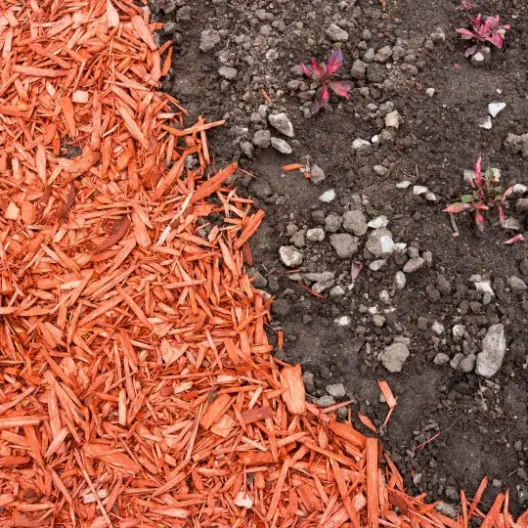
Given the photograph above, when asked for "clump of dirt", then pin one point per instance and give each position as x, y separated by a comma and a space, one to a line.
440, 317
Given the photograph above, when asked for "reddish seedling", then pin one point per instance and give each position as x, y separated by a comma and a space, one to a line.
322, 74
486, 194
482, 31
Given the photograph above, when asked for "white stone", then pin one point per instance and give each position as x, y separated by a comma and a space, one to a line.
328, 196
403, 184
376, 265
379, 222
359, 144
290, 256
495, 109
419, 189
343, 320
393, 119
485, 123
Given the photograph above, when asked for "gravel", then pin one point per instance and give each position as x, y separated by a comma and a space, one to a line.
337, 390
336, 34
282, 146
413, 265
380, 243
209, 39
394, 357
317, 174
332, 223
345, 245
262, 139
228, 72
355, 222
489, 361
516, 284
317, 234
359, 70
282, 123
290, 256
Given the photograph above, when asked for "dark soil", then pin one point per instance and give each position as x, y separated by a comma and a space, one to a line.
476, 426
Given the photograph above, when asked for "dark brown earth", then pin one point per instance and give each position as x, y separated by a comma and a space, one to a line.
476, 426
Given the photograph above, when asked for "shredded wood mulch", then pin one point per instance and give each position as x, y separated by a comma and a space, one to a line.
137, 386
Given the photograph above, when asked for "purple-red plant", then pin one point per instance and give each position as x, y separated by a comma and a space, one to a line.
322, 74
486, 194
466, 5
484, 30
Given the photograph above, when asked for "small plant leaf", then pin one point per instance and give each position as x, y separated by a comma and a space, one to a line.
457, 207
479, 218
318, 70
325, 96
466, 33
467, 198
306, 71
334, 62
514, 240
340, 88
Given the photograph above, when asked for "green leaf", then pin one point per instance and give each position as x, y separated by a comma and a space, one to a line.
467, 198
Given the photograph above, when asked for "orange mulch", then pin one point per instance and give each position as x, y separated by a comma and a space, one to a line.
137, 386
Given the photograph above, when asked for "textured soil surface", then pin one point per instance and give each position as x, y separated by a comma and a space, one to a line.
433, 294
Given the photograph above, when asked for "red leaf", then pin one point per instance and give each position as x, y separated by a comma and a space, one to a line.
478, 171
496, 39
514, 240
479, 219
317, 69
334, 62
340, 88
501, 214
325, 96
456, 208
466, 33
356, 269
306, 71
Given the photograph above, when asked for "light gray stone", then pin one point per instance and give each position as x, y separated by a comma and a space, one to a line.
336, 34
337, 390
380, 243
209, 39
290, 256
413, 264
355, 222
262, 139
345, 245
489, 361
394, 357
282, 146
282, 123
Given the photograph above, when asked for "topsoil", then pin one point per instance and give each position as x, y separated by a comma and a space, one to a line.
450, 428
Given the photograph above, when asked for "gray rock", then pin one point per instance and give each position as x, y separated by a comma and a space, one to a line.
376, 73
369, 55
515, 144
380, 243
360, 144
383, 54
262, 139
517, 285
316, 234
413, 265
378, 320
317, 175
227, 72
336, 34
209, 39
446, 509
332, 223
379, 222
459, 331
247, 148
438, 36
290, 256
282, 123
321, 286
325, 401
380, 170
298, 239
281, 145
345, 245
359, 70
455, 362
400, 280
328, 196
184, 13
467, 365
437, 328
316, 277
489, 361
355, 222
441, 359
308, 379
337, 291
394, 357
337, 390
376, 265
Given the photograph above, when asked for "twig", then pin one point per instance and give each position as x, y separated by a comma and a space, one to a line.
453, 225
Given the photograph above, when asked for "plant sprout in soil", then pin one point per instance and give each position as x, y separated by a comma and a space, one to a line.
483, 30
486, 194
322, 75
